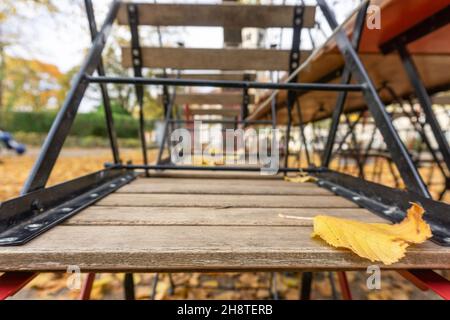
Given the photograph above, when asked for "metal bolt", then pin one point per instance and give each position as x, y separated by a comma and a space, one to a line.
36, 205
136, 52
299, 10
356, 198
8, 239
136, 62
447, 240
294, 55
334, 188
33, 226
94, 195
294, 65
66, 209
112, 185
298, 21
389, 211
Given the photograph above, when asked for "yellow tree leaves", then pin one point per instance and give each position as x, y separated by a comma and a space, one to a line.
302, 177
374, 241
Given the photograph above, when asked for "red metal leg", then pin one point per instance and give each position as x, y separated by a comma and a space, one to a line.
343, 283
87, 287
12, 282
429, 279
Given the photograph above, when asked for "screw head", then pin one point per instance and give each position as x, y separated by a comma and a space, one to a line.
8, 239
33, 226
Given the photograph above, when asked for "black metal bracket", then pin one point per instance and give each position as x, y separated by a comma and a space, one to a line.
294, 62
388, 203
245, 99
25, 217
136, 58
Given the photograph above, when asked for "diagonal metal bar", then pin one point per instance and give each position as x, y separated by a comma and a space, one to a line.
397, 149
103, 88
61, 126
342, 97
12, 282
425, 103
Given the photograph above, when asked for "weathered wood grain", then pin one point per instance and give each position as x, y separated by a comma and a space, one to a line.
212, 59
210, 186
217, 15
99, 215
155, 248
224, 201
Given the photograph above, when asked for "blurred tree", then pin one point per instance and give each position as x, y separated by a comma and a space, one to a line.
9, 9
32, 84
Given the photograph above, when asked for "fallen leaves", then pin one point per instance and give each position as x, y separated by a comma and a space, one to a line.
374, 241
302, 178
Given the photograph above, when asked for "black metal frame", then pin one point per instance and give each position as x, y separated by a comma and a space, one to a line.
40, 208
294, 62
25, 217
136, 57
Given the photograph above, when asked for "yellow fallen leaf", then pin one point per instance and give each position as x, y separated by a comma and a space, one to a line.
300, 179
374, 241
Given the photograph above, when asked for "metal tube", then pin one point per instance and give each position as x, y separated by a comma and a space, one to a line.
208, 168
346, 78
133, 18
228, 84
101, 72
425, 103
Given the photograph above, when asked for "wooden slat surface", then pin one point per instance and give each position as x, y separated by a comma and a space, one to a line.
226, 112
225, 201
212, 59
210, 216
222, 98
210, 186
217, 15
204, 224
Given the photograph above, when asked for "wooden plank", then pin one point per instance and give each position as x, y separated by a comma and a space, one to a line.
185, 186
224, 201
232, 181
227, 112
381, 68
443, 100
213, 59
217, 15
189, 248
216, 175
222, 98
147, 216
227, 76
